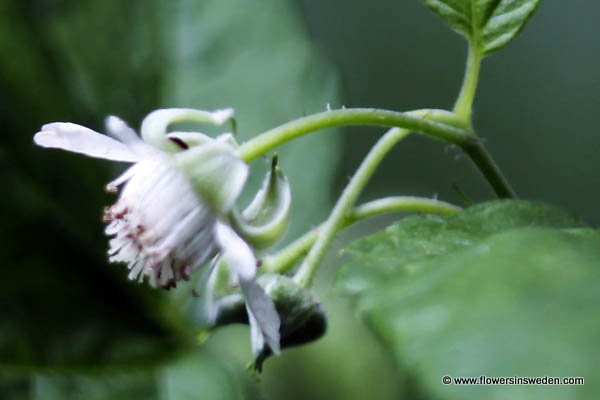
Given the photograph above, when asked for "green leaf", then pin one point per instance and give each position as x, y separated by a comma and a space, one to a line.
489, 24
104, 385
391, 252
492, 298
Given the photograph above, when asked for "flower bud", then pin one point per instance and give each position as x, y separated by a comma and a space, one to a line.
302, 317
265, 220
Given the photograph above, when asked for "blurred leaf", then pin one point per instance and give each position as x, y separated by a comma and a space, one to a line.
197, 374
510, 300
61, 305
102, 385
14, 386
490, 24
203, 376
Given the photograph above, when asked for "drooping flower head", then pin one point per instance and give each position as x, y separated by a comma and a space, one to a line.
175, 202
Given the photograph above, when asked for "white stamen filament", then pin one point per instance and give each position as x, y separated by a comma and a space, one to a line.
160, 226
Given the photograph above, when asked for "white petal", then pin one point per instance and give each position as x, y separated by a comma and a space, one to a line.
119, 129
264, 320
79, 139
236, 252
257, 339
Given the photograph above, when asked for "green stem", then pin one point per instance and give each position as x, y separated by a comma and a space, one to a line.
473, 147
464, 102
400, 203
492, 173
285, 259
450, 128
345, 202
437, 123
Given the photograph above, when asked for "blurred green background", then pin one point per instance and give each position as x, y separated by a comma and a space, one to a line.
72, 327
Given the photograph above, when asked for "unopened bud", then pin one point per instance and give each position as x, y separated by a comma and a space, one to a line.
302, 317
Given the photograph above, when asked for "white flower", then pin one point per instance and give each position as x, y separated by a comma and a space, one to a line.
173, 210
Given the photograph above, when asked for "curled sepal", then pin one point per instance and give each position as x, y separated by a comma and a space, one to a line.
216, 172
266, 218
302, 317
154, 126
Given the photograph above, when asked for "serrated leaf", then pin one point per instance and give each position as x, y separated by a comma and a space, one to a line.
519, 303
508, 301
490, 24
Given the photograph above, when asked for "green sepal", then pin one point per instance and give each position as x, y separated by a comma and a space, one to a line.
216, 172
266, 218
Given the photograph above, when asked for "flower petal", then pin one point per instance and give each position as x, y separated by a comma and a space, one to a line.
119, 129
257, 338
236, 252
79, 139
264, 320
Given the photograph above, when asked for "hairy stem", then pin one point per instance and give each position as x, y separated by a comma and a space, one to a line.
445, 126
349, 196
492, 173
440, 124
285, 259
